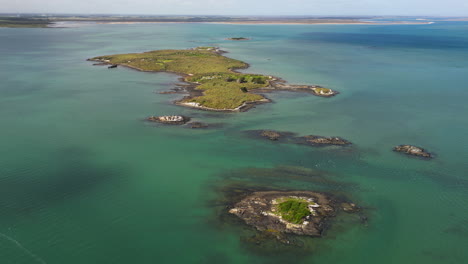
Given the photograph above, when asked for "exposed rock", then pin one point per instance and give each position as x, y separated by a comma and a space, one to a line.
324, 92
112, 66
319, 140
173, 119
413, 150
280, 84
270, 134
238, 39
291, 138
262, 211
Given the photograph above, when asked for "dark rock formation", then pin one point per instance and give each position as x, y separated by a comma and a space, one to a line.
112, 66
321, 141
238, 38
412, 150
270, 134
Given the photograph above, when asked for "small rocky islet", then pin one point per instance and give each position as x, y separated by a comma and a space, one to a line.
169, 119
413, 151
177, 120
290, 137
323, 141
314, 140
238, 38
295, 212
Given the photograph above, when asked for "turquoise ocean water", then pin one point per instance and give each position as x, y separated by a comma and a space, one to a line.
84, 180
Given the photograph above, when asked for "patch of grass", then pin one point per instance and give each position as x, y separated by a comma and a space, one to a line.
322, 90
219, 94
293, 210
222, 87
178, 61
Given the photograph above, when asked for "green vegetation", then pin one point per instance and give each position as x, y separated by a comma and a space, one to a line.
222, 88
321, 90
294, 210
21, 22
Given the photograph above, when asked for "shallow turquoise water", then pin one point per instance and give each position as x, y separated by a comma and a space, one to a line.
84, 180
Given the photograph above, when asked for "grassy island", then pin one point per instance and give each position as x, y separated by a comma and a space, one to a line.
217, 84
296, 212
213, 73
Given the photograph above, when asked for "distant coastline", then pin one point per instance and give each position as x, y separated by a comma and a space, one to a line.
36, 21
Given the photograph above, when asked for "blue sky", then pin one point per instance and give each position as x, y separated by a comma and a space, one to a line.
241, 7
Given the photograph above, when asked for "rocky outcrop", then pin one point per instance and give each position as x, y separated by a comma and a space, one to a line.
270, 134
322, 141
279, 84
172, 119
413, 150
238, 39
288, 137
263, 211
324, 92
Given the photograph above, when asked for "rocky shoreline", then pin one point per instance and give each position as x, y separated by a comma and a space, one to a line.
278, 84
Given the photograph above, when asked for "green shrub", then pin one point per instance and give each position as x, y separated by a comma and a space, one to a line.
293, 210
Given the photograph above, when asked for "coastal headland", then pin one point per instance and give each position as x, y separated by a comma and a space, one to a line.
213, 82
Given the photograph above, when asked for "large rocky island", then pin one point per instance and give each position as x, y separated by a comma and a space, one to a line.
214, 82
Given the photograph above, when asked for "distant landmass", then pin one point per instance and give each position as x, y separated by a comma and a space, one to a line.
34, 20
